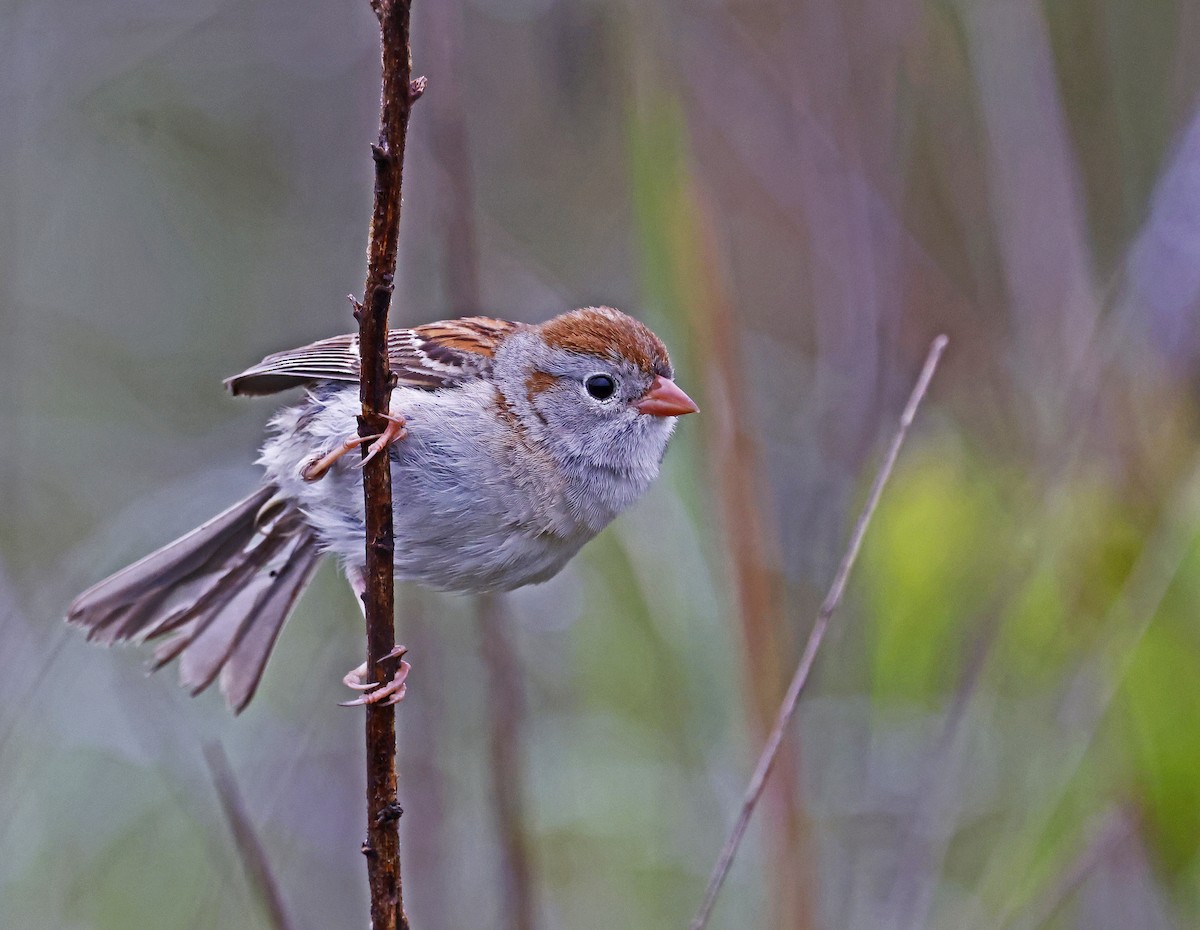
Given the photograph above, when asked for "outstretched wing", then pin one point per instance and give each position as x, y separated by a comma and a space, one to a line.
432, 356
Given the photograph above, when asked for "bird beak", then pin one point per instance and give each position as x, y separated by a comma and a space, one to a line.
664, 399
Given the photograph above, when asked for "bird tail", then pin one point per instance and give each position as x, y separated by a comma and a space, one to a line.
222, 592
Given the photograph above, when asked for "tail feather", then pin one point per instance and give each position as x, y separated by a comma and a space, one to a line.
215, 631
223, 590
244, 665
213, 596
118, 594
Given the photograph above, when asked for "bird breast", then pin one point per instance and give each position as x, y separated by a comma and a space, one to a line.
476, 506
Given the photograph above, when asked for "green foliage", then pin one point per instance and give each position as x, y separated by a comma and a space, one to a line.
1062, 601
928, 570
1162, 698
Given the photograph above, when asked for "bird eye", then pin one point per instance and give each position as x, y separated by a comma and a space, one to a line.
600, 387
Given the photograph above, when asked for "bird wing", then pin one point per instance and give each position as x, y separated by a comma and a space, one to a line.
432, 356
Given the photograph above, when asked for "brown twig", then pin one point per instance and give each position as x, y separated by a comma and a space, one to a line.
249, 846
450, 147
786, 709
382, 847
752, 541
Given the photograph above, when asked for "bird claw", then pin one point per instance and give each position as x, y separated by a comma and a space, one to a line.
393, 432
391, 693
317, 468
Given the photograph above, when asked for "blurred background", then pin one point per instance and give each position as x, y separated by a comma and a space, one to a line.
1003, 729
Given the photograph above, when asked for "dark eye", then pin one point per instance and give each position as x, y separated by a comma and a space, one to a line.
600, 387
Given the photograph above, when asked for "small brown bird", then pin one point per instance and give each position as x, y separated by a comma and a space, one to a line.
511, 445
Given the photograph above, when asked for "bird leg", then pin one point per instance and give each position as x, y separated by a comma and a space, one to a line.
316, 469
391, 693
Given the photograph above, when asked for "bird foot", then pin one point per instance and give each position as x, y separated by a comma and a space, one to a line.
317, 468
393, 432
391, 693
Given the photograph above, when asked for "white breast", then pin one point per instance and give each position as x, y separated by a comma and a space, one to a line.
474, 509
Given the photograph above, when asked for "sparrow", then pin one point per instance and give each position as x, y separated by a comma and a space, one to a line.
511, 445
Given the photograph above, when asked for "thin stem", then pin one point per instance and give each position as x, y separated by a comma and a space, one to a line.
786, 709
506, 703
250, 848
382, 847
450, 146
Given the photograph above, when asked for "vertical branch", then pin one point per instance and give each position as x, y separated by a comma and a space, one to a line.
752, 541
382, 847
450, 147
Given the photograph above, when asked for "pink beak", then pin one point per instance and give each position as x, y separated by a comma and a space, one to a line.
664, 399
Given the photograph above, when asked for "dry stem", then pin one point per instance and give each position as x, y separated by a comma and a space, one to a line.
249, 846
450, 146
765, 761
382, 847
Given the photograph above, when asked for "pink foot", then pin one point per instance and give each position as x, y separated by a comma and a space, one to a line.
391, 693
318, 468
393, 432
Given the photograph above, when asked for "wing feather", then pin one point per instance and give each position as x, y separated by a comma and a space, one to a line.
432, 356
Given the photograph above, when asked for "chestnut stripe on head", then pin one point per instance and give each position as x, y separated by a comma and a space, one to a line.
610, 334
